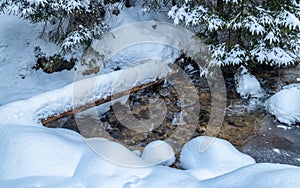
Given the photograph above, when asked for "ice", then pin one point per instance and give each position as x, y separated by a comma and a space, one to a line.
178, 119
164, 92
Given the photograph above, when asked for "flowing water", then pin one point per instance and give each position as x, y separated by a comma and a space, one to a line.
246, 125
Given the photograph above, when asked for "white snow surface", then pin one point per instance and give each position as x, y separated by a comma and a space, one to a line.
34, 156
247, 84
213, 156
284, 104
82, 92
159, 152
129, 46
18, 38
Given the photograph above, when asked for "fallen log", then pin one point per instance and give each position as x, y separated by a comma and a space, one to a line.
99, 102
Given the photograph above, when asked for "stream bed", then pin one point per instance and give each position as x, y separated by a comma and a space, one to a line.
246, 124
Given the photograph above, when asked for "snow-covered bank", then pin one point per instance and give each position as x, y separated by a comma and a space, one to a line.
18, 39
30, 111
41, 157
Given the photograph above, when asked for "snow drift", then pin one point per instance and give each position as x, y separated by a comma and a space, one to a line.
34, 156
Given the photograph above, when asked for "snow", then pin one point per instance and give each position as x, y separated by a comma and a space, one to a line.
159, 152
213, 156
214, 23
258, 175
284, 104
136, 37
272, 37
34, 156
253, 25
131, 15
82, 92
32, 151
247, 84
288, 20
17, 42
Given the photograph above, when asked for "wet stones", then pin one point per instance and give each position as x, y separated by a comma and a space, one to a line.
53, 64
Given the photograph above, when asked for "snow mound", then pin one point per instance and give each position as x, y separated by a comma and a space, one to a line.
159, 152
212, 156
247, 84
34, 156
284, 105
116, 153
37, 151
155, 153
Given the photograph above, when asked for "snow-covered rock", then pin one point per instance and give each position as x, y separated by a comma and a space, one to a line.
116, 153
284, 105
155, 153
159, 152
212, 156
247, 84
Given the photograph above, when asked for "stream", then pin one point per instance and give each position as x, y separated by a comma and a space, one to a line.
246, 125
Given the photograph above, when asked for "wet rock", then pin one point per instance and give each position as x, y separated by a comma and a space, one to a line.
67, 122
290, 75
272, 148
53, 64
274, 143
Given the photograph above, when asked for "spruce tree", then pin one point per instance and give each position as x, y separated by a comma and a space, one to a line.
245, 31
72, 22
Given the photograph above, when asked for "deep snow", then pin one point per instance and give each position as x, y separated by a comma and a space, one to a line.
34, 156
